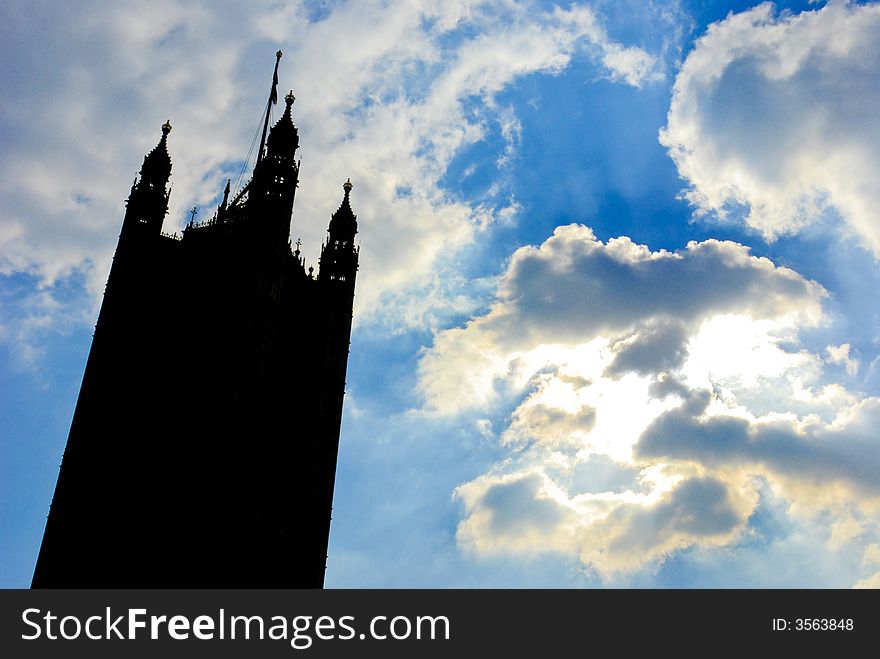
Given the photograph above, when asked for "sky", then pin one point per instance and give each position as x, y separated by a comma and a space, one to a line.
616, 322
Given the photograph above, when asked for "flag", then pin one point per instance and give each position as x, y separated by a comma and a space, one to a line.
273, 99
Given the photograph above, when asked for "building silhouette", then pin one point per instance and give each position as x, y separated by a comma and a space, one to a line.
203, 446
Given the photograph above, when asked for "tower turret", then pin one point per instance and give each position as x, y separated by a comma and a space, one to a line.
276, 175
147, 204
339, 256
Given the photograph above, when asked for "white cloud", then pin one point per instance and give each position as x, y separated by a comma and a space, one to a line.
872, 582
872, 555
554, 413
844, 532
381, 90
777, 114
840, 355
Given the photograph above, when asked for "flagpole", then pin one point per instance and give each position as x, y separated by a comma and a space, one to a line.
273, 98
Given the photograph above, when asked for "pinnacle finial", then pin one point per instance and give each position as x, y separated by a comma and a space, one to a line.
290, 98
278, 54
166, 127
347, 186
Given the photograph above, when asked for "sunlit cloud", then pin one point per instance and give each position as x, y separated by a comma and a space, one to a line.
574, 289
691, 380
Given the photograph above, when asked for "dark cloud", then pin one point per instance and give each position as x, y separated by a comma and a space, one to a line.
520, 506
650, 350
698, 507
667, 385
817, 454
574, 287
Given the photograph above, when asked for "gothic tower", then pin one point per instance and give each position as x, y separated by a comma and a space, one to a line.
203, 446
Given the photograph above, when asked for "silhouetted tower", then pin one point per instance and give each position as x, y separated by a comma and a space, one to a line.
203, 447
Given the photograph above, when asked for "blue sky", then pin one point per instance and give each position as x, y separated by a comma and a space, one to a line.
616, 320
